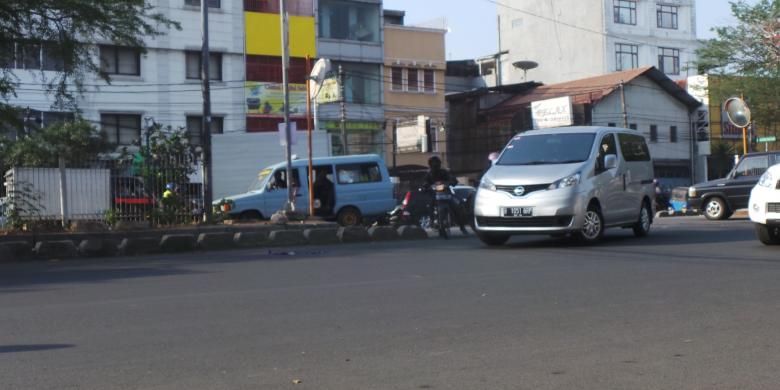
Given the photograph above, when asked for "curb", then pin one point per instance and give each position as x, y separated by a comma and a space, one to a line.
322, 236
139, 244
351, 235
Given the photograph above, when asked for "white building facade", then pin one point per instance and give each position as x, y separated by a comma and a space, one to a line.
574, 39
162, 84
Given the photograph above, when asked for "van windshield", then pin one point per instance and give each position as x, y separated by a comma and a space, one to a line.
259, 183
547, 149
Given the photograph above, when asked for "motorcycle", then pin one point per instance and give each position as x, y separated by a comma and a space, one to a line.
440, 210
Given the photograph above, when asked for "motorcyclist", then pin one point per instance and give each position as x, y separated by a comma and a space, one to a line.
437, 174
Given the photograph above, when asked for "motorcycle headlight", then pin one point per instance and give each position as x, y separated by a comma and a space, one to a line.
487, 184
568, 181
766, 180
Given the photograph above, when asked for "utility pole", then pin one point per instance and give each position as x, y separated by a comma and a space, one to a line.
205, 128
289, 207
343, 101
623, 104
395, 141
499, 74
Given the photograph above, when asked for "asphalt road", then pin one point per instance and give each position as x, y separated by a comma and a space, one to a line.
694, 306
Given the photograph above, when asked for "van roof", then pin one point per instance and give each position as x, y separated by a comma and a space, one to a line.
577, 129
331, 160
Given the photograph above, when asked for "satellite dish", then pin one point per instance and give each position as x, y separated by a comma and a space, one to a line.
737, 112
525, 66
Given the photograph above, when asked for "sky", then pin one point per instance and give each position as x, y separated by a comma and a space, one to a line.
473, 30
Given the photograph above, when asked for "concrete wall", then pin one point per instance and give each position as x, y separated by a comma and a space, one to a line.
563, 52
238, 158
582, 42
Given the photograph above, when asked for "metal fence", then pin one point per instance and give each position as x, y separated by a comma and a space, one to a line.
166, 191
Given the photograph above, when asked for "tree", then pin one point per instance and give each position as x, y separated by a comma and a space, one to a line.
745, 60
751, 47
70, 31
75, 141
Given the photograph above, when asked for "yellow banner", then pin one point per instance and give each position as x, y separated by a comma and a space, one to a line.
267, 99
264, 35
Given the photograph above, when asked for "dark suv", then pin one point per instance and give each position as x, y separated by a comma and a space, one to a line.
718, 199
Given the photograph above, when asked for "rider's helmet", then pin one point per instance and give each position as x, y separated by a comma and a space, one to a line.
434, 163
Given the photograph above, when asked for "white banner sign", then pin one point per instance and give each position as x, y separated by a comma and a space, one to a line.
293, 133
552, 113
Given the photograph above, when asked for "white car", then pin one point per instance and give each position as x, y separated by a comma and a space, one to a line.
764, 206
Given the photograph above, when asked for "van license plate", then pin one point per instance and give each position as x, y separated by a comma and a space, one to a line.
516, 212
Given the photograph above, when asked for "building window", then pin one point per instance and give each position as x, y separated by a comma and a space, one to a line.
667, 16
429, 81
195, 124
194, 65
669, 60
653, 133
196, 3
625, 11
32, 57
626, 56
610, 124
397, 77
362, 82
673, 134
412, 80
121, 129
52, 58
120, 60
632, 126
348, 20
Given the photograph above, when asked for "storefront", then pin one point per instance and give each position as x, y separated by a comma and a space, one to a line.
363, 137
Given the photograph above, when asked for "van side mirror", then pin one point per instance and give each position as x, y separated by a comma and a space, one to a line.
610, 161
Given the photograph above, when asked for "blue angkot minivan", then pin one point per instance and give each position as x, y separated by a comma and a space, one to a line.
361, 188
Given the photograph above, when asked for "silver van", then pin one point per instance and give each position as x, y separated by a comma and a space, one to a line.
571, 180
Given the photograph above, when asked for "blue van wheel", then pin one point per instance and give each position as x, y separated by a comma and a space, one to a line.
349, 216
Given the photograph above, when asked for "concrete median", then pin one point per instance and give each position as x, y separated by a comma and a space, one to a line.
64, 249
176, 243
325, 236
286, 238
412, 232
139, 246
216, 241
250, 239
353, 235
383, 233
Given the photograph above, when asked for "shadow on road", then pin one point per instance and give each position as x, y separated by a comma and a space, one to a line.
32, 347
22, 277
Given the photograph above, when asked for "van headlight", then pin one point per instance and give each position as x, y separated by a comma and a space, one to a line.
568, 181
766, 180
486, 184
691, 192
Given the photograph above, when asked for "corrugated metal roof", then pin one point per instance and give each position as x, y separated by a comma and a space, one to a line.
593, 89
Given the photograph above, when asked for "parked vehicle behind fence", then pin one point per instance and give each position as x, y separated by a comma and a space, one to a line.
360, 185
573, 180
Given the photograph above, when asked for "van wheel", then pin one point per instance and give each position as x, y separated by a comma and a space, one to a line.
593, 227
493, 239
768, 235
349, 216
250, 215
715, 209
642, 226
